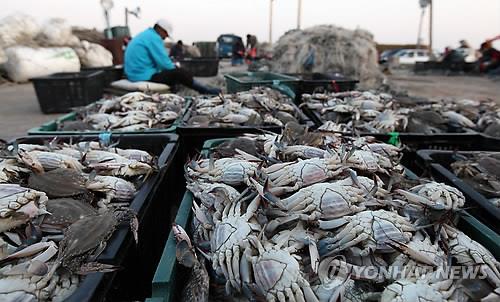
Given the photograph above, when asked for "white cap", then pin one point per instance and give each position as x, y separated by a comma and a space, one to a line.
167, 26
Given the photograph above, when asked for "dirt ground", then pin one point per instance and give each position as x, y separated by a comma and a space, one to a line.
20, 110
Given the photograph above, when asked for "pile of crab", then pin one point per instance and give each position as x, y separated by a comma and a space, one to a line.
320, 217
134, 111
59, 205
260, 106
480, 171
382, 113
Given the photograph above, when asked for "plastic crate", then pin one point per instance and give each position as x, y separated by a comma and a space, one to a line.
438, 164
120, 32
201, 67
111, 73
150, 208
321, 82
50, 128
192, 138
169, 276
59, 92
243, 81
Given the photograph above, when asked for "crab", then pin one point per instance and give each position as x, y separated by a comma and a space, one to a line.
128, 168
277, 273
437, 196
324, 201
419, 251
207, 192
24, 280
19, 205
303, 172
310, 171
166, 116
51, 183
404, 290
480, 173
42, 160
134, 154
231, 236
101, 120
133, 117
303, 152
468, 252
389, 121
374, 230
226, 170
9, 170
115, 189
86, 238
197, 287
64, 212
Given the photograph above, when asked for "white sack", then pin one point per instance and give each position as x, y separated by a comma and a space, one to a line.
56, 32
17, 29
25, 62
94, 55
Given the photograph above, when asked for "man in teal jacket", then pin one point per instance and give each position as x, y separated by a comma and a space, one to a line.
146, 59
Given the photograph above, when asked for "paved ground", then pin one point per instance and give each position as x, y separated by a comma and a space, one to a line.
20, 111
430, 86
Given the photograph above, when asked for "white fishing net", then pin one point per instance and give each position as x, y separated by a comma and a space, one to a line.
350, 52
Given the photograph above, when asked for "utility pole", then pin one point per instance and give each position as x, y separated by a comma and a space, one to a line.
299, 14
430, 25
271, 21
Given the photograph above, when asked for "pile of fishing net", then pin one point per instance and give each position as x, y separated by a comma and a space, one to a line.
333, 49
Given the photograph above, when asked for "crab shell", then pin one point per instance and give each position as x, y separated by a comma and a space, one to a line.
18, 205
278, 275
64, 212
409, 291
84, 237
60, 182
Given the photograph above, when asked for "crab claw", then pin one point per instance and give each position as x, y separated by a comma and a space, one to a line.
30, 161
134, 226
184, 251
264, 191
94, 267
180, 234
413, 254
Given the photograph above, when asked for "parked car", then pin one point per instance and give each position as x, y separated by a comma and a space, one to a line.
412, 56
226, 42
386, 55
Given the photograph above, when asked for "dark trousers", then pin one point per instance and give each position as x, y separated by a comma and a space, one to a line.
173, 77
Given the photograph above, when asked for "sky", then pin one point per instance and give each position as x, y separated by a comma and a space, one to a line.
391, 21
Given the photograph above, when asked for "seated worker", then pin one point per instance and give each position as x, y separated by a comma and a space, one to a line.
146, 59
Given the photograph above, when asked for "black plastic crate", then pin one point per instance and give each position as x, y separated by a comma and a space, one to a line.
192, 137
438, 165
111, 73
59, 92
201, 67
139, 261
323, 82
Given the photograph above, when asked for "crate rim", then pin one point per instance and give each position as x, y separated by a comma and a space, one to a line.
286, 79
83, 74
